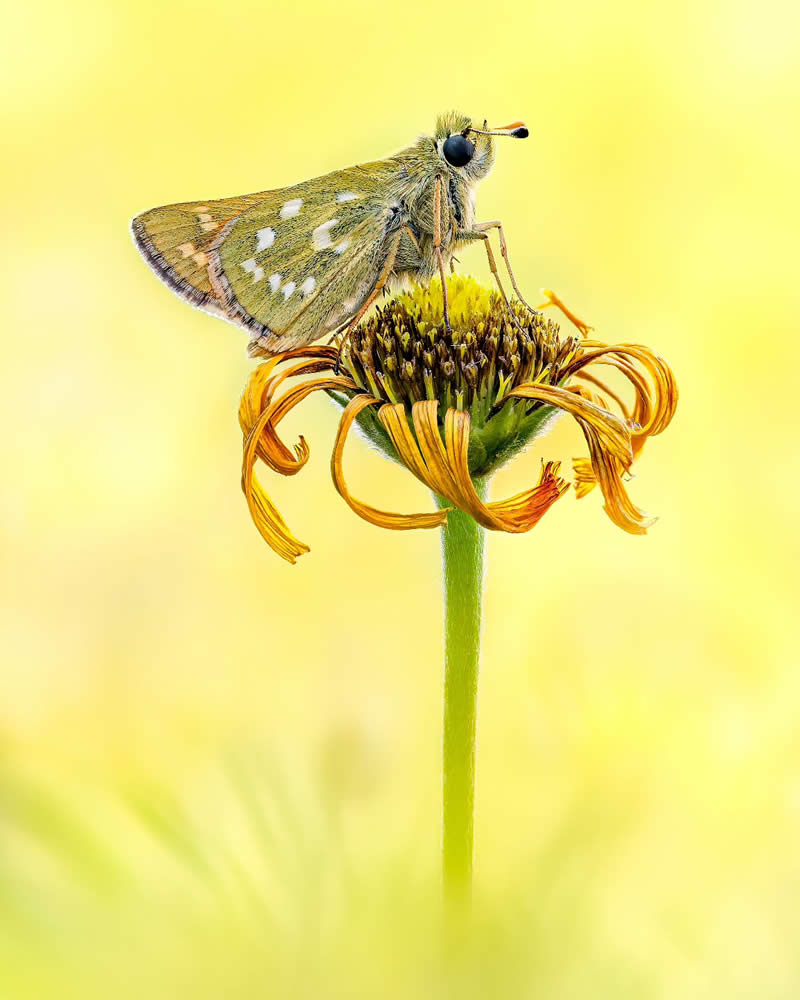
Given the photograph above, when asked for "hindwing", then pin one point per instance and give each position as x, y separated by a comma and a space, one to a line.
288, 265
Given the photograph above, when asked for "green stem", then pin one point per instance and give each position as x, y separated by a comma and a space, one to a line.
462, 570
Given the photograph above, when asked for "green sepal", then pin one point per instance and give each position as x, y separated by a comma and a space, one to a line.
491, 445
371, 428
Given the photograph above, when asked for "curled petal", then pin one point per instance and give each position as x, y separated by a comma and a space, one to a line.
655, 400
443, 467
586, 393
585, 479
261, 441
610, 451
256, 402
393, 418
619, 506
270, 447
382, 518
267, 519
516, 514
260, 387
605, 390
653, 382
254, 395
610, 430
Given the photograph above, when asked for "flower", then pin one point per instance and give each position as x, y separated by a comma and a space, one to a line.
452, 406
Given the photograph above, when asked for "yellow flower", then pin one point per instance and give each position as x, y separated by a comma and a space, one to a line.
453, 407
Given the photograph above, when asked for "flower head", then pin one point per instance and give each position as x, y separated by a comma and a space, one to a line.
452, 406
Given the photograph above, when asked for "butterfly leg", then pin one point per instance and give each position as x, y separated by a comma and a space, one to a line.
437, 247
484, 237
553, 299
493, 268
383, 277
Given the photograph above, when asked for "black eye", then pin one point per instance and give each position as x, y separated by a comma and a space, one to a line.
458, 150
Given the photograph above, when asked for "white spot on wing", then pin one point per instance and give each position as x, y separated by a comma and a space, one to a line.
275, 282
266, 237
321, 236
252, 267
291, 208
346, 196
186, 249
204, 217
308, 286
341, 247
288, 289
209, 227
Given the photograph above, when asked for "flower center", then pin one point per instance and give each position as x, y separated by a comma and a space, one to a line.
403, 352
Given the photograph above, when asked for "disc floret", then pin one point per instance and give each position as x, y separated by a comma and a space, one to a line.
405, 354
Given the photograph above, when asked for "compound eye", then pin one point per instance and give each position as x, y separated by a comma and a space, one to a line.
458, 150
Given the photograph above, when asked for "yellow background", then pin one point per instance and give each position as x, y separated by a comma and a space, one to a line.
219, 775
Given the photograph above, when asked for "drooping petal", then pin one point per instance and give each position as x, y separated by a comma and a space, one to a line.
619, 506
611, 431
585, 479
393, 418
272, 450
267, 519
260, 386
655, 388
443, 467
609, 441
260, 441
515, 514
605, 390
256, 400
655, 395
382, 518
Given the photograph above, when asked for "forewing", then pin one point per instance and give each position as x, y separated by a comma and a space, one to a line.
303, 260
175, 241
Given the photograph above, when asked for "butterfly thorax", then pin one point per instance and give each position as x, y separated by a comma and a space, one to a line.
418, 172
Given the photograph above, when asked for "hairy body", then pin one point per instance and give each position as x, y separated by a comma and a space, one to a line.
292, 264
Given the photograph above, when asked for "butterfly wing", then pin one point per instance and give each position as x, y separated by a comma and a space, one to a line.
303, 260
175, 240
289, 265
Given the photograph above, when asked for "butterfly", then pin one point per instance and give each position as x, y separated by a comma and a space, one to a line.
292, 264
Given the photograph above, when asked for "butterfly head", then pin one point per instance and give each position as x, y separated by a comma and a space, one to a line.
467, 146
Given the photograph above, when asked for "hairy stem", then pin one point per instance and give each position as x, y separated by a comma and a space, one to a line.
462, 571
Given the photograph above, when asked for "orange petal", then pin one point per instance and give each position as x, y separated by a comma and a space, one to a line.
253, 397
611, 431
382, 518
585, 479
655, 388
619, 506
516, 514
271, 449
257, 399
437, 456
443, 466
267, 519
610, 451
606, 390
261, 441
260, 387
393, 418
